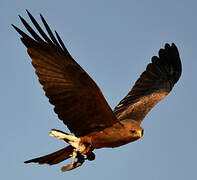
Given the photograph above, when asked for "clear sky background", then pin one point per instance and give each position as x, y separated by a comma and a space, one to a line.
113, 41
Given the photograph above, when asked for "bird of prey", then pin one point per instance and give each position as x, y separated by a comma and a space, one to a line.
80, 104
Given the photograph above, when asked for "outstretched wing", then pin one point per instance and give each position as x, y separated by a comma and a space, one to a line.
78, 101
152, 86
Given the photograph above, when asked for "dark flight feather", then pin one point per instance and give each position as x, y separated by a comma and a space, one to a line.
42, 33
50, 32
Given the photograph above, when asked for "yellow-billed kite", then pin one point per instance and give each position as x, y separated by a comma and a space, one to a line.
80, 104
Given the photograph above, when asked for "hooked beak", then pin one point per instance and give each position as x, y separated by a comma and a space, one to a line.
142, 132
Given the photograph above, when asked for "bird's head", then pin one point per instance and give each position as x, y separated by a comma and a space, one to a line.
133, 129
137, 132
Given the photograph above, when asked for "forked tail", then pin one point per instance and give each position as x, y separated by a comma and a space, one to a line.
55, 157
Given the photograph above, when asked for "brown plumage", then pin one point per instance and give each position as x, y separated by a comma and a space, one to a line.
80, 104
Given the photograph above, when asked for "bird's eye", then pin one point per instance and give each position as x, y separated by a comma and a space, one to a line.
133, 131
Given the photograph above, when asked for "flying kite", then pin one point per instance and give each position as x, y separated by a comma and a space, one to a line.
80, 104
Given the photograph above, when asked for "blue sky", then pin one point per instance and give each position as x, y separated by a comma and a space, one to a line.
113, 41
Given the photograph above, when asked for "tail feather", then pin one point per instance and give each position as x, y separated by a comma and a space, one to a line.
55, 157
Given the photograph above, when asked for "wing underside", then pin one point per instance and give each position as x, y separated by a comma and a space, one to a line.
152, 86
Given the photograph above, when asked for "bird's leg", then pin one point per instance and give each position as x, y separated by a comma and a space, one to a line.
74, 156
73, 165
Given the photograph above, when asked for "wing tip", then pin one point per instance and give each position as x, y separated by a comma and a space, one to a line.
169, 57
52, 41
